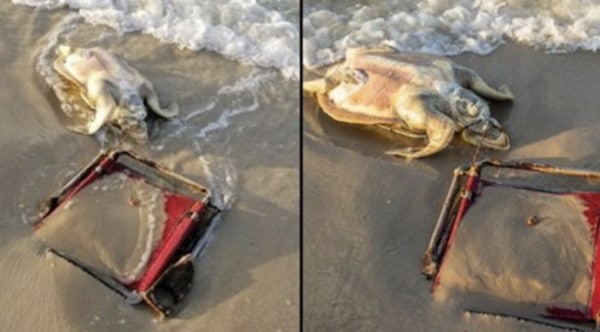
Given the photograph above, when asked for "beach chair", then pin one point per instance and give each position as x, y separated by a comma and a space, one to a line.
520, 240
132, 225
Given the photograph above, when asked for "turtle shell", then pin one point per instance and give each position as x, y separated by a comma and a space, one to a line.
389, 78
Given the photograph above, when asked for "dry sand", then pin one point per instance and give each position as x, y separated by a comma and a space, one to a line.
368, 217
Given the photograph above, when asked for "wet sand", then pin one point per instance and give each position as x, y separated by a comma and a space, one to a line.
368, 217
247, 279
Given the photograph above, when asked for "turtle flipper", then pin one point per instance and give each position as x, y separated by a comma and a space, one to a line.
401, 129
440, 131
100, 91
316, 86
151, 100
474, 82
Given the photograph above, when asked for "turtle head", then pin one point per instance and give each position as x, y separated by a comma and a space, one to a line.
467, 107
132, 106
139, 132
136, 130
488, 133
473, 114
132, 124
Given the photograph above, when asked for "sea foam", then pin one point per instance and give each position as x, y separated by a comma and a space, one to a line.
449, 27
245, 31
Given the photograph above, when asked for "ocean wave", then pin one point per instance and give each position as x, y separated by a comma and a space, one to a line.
245, 31
450, 27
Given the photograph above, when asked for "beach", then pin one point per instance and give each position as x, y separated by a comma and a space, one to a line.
237, 133
368, 217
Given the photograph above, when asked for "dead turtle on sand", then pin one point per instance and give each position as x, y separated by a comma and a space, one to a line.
117, 93
416, 95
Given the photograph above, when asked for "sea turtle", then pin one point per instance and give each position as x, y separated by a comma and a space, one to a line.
116, 92
416, 95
